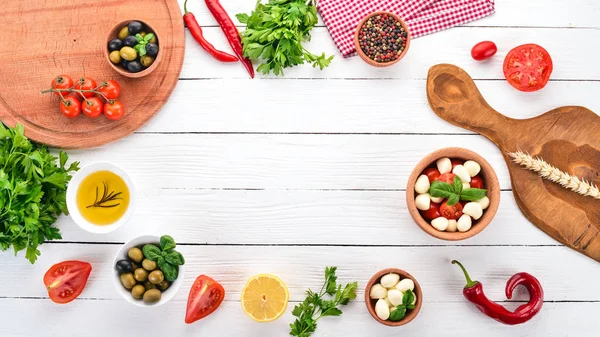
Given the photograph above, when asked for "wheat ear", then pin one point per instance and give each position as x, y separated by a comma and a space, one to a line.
553, 174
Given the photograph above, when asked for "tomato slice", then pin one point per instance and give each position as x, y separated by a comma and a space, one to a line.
432, 213
528, 67
206, 295
446, 177
66, 280
451, 212
431, 173
476, 182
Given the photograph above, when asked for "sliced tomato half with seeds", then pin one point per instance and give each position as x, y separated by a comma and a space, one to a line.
66, 280
528, 67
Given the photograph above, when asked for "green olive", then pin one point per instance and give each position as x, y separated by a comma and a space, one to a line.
135, 254
146, 60
129, 54
127, 280
140, 274
152, 296
164, 285
123, 33
149, 265
156, 277
138, 291
149, 285
115, 57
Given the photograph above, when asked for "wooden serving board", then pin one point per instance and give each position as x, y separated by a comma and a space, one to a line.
566, 137
42, 39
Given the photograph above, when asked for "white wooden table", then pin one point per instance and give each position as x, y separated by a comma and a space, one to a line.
289, 175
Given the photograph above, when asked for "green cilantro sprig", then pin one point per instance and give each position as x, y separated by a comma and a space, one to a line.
454, 193
407, 304
142, 41
315, 306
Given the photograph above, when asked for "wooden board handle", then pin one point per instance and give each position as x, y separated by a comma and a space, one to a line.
454, 97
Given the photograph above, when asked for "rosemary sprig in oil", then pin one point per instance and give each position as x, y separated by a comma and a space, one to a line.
106, 197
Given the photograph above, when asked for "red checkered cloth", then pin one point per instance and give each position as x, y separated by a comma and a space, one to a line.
422, 16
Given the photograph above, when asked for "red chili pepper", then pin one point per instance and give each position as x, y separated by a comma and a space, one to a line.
194, 27
473, 292
231, 32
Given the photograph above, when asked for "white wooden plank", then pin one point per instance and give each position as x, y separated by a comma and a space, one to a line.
297, 217
118, 318
533, 13
451, 46
342, 106
302, 267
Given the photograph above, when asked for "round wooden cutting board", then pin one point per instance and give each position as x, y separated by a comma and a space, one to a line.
43, 39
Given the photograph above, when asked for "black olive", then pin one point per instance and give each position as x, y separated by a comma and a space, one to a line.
152, 49
130, 41
123, 266
115, 44
124, 63
134, 66
134, 27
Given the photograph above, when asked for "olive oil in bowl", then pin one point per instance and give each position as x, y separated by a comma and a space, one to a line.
102, 198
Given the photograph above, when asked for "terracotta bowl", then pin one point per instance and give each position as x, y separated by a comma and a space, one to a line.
410, 315
364, 56
490, 183
114, 33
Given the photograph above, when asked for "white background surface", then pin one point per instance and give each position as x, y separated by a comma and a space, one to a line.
288, 175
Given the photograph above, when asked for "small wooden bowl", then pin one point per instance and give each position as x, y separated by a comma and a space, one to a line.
114, 33
364, 56
491, 184
410, 315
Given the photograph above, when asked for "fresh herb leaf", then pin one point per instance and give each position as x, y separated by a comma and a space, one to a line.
167, 243
151, 252
440, 189
170, 271
242, 17
454, 193
142, 50
457, 185
408, 297
473, 194
175, 258
139, 38
398, 314
148, 37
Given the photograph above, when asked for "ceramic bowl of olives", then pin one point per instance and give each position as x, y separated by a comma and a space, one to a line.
132, 48
138, 276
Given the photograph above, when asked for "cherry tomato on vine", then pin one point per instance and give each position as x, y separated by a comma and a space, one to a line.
92, 107
86, 83
114, 110
483, 50
431, 173
61, 82
446, 177
476, 182
433, 212
110, 89
528, 67
66, 280
70, 107
451, 212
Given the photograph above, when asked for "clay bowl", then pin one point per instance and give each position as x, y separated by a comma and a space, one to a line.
490, 181
410, 315
114, 33
364, 56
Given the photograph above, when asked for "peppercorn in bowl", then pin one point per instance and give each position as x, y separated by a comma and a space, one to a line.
382, 39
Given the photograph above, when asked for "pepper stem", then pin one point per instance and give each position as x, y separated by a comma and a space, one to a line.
185, 7
470, 282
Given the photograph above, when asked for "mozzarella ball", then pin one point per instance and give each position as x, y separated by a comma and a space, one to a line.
378, 291
444, 165
472, 167
395, 296
451, 226
387, 300
382, 310
473, 209
440, 223
389, 280
462, 173
466, 185
437, 200
484, 202
422, 185
423, 201
464, 223
405, 284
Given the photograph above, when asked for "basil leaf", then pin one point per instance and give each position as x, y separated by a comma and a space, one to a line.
151, 252
398, 314
160, 261
440, 189
175, 258
408, 297
453, 200
167, 242
139, 38
473, 194
457, 185
148, 37
170, 271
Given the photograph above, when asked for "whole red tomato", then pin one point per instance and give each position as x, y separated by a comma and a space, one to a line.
451, 212
433, 212
528, 67
66, 280
447, 178
110, 89
431, 173
114, 110
92, 107
86, 83
62, 82
206, 295
483, 50
70, 107
456, 162
476, 182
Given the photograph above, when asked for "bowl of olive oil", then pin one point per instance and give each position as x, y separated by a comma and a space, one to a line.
100, 197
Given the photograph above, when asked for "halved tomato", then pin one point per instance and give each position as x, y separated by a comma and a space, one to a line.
528, 67
66, 280
206, 295
451, 212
